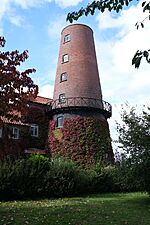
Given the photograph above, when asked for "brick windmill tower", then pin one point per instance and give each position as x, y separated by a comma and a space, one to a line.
78, 127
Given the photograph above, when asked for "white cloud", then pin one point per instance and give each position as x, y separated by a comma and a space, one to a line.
7, 11
35, 3
124, 22
16, 20
55, 27
29, 3
4, 7
121, 82
67, 3
46, 91
7, 6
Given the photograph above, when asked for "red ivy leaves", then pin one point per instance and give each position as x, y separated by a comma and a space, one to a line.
85, 140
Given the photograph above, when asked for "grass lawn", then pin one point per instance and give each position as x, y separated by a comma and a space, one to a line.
104, 209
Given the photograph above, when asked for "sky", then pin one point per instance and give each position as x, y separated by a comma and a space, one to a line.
36, 25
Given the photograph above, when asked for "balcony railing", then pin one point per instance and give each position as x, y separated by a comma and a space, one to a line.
76, 102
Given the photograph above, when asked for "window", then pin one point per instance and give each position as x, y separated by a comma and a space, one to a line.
67, 38
65, 58
62, 98
15, 133
63, 77
34, 130
1, 132
60, 121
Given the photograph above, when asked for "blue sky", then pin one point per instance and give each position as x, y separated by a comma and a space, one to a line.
36, 25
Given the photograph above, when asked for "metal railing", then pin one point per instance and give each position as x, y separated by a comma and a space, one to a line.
80, 102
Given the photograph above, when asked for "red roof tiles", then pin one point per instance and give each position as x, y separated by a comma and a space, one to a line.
38, 99
41, 100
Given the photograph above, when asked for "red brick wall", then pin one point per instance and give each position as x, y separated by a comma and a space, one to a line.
15, 147
82, 70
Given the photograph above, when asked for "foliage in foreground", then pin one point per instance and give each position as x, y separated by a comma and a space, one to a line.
40, 177
134, 137
106, 209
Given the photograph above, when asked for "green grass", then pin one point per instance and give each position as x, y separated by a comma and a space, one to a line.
106, 209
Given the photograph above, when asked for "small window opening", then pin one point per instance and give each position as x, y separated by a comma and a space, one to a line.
62, 98
34, 130
63, 77
60, 121
65, 58
15, 133
67, 38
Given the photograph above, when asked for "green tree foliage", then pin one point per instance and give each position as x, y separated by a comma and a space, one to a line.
134, 137
115, 5
16, 87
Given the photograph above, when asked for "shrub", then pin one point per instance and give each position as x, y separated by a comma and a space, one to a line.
6, 178
39, 176
103, 181
65, 178
23, 177
30, 175
122, 178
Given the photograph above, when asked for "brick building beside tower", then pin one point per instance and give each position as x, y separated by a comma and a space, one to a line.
78, 115
74, 123
28, 134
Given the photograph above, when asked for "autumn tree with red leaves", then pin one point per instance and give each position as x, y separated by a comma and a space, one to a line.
16, 87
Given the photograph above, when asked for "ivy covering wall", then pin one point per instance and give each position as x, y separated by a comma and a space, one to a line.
15, 147
11, 147
85, 140
36, 115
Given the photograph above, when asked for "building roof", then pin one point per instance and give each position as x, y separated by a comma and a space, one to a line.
13, 122
41, 100
38, 99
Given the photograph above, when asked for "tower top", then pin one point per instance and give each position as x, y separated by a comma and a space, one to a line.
77, 24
